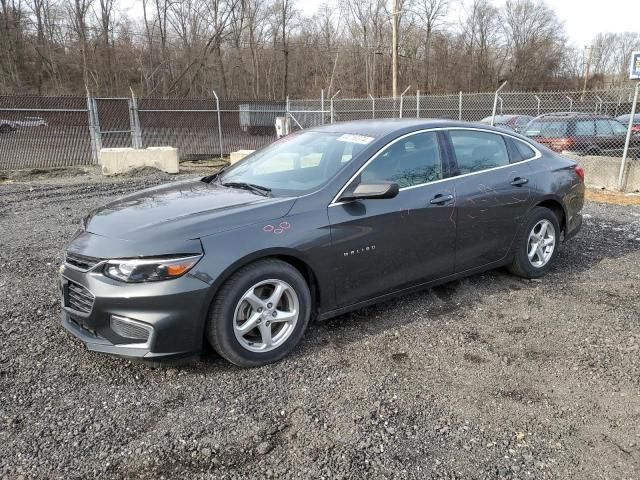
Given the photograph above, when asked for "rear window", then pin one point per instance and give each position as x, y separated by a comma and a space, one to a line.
547, 129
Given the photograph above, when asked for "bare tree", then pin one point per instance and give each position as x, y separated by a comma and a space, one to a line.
431, 14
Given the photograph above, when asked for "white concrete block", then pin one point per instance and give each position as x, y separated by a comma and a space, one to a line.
602, 172
122, 160
239, 155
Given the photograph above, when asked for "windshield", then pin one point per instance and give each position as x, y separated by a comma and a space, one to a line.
298, 163
548, 129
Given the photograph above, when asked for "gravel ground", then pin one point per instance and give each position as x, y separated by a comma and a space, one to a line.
487, 377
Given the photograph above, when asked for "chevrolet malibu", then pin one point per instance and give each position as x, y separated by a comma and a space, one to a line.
317, 224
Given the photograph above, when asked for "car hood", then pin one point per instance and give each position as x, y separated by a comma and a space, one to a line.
182, 211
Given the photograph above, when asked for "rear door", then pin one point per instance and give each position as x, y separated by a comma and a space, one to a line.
492, 196
382, 245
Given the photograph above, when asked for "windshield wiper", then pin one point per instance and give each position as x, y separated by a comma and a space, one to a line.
212, 177
252, 187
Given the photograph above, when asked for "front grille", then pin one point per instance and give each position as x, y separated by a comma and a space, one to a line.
129, 328
79, 298
81, 262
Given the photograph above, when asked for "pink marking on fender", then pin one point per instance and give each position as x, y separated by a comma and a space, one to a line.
267, 228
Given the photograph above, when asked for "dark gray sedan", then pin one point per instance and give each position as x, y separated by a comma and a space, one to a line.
317, 224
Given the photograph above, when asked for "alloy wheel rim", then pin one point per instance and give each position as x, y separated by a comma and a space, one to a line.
266, 315
541, 243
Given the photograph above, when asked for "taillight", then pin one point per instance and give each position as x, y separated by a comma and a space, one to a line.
635, 128
561, 144
579, 172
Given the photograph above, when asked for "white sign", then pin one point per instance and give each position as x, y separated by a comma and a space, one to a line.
361, 139
634, 72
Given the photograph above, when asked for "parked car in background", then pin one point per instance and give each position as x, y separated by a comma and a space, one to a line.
511, 122
581, 133
317, 224
32, 122
624, 119
7, 126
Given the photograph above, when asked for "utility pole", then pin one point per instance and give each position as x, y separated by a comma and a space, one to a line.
394, 47
587, 66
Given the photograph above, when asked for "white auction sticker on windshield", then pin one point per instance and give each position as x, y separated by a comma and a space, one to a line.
361, 139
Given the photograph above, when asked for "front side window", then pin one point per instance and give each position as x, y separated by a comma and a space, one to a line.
618, 128
476, 151
603, 127
413, 160
298, 163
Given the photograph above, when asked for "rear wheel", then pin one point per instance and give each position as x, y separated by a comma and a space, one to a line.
537, 244
260, 314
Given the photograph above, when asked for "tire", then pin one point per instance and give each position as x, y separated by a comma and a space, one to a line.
593, 152
234, 307
525, 242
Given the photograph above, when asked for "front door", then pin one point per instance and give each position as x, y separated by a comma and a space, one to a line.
382, 245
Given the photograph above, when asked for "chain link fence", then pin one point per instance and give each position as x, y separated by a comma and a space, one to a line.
60, 131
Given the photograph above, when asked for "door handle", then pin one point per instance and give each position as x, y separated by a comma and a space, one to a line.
519, 181
441, 199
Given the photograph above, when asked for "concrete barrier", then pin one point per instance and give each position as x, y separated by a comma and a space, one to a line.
239, 155
122, 160
602, 172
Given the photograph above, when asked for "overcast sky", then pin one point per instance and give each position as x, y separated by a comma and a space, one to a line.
583, 19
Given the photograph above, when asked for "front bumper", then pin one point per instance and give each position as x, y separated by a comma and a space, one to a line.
172, 311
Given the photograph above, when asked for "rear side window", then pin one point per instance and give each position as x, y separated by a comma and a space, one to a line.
547, 129
585, 128
603, 127
476, 151
525, 151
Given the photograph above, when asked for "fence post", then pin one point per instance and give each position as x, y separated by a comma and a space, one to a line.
598, 105
402, 99
495, 102
373, 106
628, 139
219, 121
96, 123
460, 105
417, 103
570, 102
322, 106
92, 134
134, 122
538, 100
331, 101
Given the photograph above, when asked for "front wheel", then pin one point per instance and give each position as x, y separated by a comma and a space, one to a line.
537, 244
260, 314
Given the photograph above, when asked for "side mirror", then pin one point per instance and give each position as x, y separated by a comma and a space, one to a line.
372, 190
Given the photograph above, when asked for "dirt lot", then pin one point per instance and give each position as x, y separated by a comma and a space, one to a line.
488, 377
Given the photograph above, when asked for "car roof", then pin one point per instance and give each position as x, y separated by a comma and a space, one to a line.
559, 117
626, 116
382, 127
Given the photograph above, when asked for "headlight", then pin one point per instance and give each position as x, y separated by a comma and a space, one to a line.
137, 270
